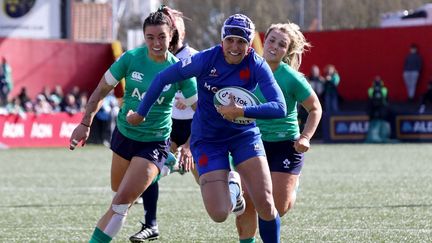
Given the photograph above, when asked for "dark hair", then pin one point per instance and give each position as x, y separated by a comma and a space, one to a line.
164, 15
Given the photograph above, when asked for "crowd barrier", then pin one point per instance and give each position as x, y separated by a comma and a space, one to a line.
54, 130
353, 127
31, 130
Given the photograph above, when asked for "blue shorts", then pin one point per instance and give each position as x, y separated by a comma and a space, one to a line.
156, 152
282, 157
181, 130
211, 156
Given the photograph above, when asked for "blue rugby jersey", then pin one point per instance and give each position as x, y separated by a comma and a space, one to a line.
213, 73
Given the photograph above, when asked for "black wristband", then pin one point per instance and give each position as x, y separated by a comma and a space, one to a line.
85, 125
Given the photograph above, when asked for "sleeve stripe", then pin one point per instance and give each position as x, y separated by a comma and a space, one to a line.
110, 78
191, 100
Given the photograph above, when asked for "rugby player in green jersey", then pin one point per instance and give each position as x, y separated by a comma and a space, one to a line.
139, 152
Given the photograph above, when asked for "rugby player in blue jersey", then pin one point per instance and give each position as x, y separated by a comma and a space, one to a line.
214, 136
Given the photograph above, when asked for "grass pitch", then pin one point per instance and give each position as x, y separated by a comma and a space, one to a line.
348, 193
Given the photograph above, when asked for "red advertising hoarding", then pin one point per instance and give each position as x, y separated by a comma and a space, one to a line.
31, 130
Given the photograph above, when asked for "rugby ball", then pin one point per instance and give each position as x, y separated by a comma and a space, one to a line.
242, 97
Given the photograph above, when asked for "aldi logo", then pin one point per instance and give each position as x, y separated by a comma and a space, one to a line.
349, 127
414, 126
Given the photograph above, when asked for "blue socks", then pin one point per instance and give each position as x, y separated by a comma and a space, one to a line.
270, 230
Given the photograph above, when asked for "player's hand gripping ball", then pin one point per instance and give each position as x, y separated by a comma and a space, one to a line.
242, 97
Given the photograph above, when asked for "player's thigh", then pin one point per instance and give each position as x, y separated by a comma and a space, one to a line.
119, 166
284, 185
255, 175
137, 178
214, 190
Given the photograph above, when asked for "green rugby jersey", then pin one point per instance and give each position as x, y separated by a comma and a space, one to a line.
139, 70
295, 88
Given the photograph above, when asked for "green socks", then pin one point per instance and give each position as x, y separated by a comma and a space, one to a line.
250, 240
99, 237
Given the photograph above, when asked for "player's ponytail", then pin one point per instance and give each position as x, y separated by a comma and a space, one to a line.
172, 14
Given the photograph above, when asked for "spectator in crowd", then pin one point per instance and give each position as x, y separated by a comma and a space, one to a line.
6, 83
316, 81
46, 92
426, 98
378, 99
82, 101
379, 128
57, 93
55, 103
56, 98
25, 100
411, 70
41, 105
16, 108
331, 95
70, 105
76, 91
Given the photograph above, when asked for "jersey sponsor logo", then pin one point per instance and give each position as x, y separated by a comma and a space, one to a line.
186, 61
137, 76
210, 88
286, 163
213, 72
136, 93
166, 87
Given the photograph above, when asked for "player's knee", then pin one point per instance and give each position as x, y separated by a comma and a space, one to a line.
218, 215
266, 209
121, 209
123, 198
117, 219
286, 206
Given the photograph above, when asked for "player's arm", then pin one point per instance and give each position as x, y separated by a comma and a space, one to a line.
95, 101
185, 69
82, 131
313, 107
188, 88
168, 76
275, 106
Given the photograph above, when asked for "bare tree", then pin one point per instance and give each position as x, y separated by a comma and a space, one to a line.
207, 16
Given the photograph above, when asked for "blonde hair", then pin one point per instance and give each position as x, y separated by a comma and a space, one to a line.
297, 46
